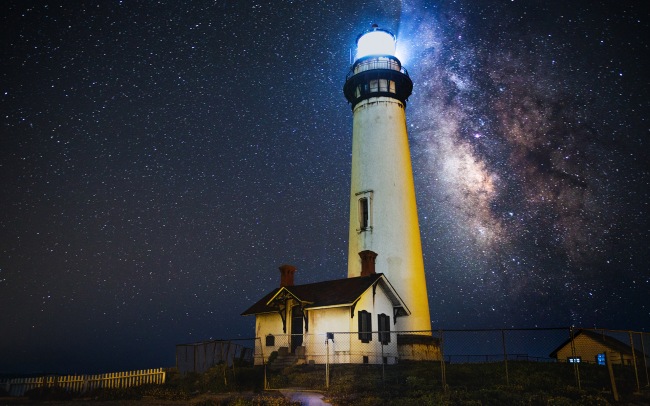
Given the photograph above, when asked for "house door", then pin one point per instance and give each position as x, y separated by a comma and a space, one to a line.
296, 328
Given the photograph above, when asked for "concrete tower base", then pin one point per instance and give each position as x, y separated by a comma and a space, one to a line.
414, 347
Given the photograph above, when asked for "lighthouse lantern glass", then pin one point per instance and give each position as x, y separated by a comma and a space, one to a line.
376, 43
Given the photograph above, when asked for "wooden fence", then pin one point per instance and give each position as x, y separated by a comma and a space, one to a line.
85, 383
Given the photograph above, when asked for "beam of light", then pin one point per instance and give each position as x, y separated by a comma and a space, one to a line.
402, 52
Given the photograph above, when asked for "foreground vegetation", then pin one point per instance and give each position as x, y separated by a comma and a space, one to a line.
418, 383
421, 383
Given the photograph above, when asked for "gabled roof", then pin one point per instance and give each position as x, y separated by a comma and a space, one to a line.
605, 340
334, 293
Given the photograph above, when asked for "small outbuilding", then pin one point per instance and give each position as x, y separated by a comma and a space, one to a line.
594, 347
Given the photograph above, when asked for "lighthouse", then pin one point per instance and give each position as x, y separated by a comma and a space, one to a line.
383, 211
379, 313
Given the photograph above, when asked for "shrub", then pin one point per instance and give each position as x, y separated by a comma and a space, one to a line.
115, 394
48, 393
219, 379
163, 392
272, 357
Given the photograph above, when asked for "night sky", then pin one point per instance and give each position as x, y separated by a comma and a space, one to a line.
159, 161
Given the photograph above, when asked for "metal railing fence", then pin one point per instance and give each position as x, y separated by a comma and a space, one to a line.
547, 358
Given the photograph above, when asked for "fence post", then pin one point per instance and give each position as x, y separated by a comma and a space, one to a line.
576, 369
505, 355
442, 364
610, 369
234, 358
636, 373
266, 382
383, 368
327, 361
645, 359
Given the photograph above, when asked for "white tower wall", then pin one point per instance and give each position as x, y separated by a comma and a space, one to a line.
383, 212
382, 173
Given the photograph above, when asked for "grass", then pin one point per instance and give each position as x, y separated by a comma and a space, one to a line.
420, 383
407, 383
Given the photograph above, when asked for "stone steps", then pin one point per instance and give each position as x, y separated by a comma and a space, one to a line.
286, 359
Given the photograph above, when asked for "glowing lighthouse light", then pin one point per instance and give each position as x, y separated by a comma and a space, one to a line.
375, 42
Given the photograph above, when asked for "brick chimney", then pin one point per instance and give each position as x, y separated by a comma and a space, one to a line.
286, 275
367, 262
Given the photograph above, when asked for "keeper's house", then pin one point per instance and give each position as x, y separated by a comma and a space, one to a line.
337, 321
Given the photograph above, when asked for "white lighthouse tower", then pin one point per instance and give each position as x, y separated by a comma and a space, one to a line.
383, 212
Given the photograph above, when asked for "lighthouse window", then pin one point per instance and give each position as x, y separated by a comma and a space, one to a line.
364, 213
374, 85
365, 326
364, 210
362, 89
383, 85
391, 86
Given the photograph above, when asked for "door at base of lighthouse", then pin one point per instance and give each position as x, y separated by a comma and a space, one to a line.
296, 328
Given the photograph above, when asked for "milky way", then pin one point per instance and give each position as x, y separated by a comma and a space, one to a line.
159, 162
521, 158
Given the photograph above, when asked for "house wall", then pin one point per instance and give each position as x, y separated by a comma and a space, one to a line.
374, 350
265, 324
346, 347
587, 348
323, 321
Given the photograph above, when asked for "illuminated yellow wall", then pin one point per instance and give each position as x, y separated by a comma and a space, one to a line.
381, 171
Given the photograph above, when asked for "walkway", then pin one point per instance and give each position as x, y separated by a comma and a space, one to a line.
305, 398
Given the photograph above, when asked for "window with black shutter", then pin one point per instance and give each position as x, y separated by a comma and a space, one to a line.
384, 328
365, 326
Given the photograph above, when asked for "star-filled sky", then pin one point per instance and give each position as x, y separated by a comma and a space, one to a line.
160, 159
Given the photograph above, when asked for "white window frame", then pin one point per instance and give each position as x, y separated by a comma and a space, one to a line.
364, 198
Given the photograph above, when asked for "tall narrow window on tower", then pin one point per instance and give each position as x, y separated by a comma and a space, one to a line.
364, 213
364, 210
